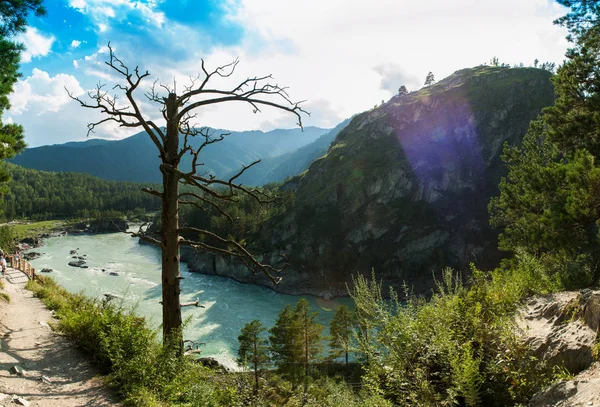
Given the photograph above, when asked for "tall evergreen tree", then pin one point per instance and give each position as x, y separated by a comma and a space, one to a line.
340, 329
430, 79
13, 14
286, 348
310, 335
296, 341
549, 203
253, 350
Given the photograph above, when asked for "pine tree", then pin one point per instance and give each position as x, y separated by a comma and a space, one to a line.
296, 341
549, 204
341, 328
310, 335
13, 14
430, 79
286, 349
253, 350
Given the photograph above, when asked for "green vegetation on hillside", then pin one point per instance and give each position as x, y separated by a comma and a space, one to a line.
41, 195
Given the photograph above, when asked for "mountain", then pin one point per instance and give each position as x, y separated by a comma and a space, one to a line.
135, 158
278, 168
403, 189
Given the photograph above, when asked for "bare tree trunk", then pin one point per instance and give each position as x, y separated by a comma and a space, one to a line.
169, 231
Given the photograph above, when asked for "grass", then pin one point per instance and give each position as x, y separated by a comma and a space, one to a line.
5, 297
33, 229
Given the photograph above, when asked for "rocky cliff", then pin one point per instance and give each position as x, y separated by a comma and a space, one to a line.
404, 187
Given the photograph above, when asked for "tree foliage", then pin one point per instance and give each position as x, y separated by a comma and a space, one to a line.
341, 330
42, 195
13, 14
253, 350
430, 79
549, 204
295, 340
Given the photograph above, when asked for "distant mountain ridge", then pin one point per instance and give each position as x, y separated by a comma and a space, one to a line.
135, 158
281, 167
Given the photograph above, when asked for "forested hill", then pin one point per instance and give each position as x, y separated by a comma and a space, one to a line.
135, 158
404, 187
45, 195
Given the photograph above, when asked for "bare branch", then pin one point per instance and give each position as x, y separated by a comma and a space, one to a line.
141, 234
152, 192
192, 304
238, 251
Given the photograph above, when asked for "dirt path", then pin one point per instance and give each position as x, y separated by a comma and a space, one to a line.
27, 341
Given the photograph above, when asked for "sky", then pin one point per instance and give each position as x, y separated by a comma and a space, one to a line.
339, 56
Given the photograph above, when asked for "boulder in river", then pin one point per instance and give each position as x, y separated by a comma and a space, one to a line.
46, 270
32, 241
77, 263
113, 273
31, 255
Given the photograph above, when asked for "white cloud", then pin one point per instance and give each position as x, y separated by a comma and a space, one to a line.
78, 4
355, 53
41, 104
342, 56
36, 44
41, 93
393, 76
75, 44
102, 11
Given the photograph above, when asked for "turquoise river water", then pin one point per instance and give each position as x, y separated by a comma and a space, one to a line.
229, 304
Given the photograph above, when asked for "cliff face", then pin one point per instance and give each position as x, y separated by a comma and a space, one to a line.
404, 188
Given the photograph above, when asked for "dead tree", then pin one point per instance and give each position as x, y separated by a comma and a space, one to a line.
173, 140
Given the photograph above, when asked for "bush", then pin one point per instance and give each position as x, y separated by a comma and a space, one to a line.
144, 372
459, 347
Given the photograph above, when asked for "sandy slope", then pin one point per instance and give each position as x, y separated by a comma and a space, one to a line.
27, 341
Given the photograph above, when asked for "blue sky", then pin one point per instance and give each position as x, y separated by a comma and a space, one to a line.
341, 56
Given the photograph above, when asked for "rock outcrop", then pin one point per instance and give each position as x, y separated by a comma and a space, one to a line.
562, 329
403, 189
108, 225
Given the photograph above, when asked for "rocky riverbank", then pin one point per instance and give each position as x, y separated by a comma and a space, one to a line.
291, 281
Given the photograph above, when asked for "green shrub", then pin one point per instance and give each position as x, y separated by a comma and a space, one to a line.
459, 347
143, 371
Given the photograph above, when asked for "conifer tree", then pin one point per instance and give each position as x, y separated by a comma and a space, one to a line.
549, 203
13, 14
310, 335
286, 350
430, 79
253, 350
295, 341
341, 328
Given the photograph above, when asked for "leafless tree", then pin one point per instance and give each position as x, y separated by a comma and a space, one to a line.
173, 140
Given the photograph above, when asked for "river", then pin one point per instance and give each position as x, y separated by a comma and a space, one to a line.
229, 305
